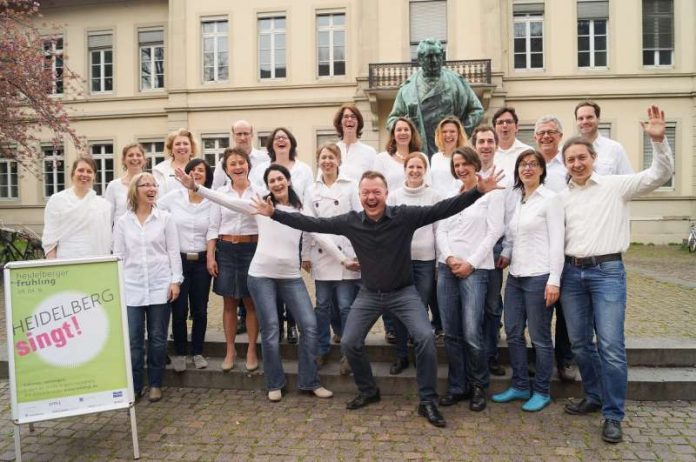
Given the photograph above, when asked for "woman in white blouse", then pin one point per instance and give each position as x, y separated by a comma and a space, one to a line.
191, 213
147, 241
181, 148
133, 162
465, 254
331, 194
414, 191
77, 222
449, 135
232, 240
533, 246
275, 270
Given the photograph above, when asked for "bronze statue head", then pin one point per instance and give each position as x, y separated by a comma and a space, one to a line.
431, 56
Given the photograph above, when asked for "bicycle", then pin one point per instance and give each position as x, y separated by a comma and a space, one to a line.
691, 240
18, 245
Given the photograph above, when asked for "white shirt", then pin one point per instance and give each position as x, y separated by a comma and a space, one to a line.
611, 157
506, 158
277, 255
472, 233
393, 170
191, 219
222, 220
301, 177
150, 253
116, 194
597, 214
77, 227
220, 178
534, 234
328, 201
423, 242
164, 175
356, 159
556, 174
441, 173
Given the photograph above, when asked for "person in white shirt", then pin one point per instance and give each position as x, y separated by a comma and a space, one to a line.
414, 191
77, 222
356, 156
243, 135
232, 242
181, 148
597, 213
190, 213
145, 238
505, 121
331, 194
449, 135
275, 270
465, 257
534, 248
611, 155
133, 162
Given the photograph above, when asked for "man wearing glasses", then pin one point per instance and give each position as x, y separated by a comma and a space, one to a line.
509, 147
243, 134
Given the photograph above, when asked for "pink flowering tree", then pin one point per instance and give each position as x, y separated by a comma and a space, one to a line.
30, 86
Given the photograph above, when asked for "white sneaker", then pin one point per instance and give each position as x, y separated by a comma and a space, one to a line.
275, 395
200, 362
179, 363
322, 392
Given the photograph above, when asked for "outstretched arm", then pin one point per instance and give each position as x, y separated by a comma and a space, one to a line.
225, 200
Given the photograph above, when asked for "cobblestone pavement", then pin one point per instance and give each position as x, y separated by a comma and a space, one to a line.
227, 425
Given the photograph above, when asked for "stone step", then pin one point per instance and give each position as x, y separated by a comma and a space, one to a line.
644, 383
640, 352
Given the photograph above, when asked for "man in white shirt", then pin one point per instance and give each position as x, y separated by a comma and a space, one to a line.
611, 156
548, 133
356, 157
509, 147
243, 135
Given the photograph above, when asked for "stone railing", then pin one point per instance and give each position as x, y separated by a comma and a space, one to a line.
385, 76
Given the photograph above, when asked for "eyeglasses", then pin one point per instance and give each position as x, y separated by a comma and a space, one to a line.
543, 133
147, 185
350, 116
524, 165
505, 122
280, 137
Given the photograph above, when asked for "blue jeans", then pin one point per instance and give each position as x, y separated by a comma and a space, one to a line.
330, 294
406, 305
494, 307
194, 293
594, 300
525, 305
424, 279
157, 319
461, 309
264, 292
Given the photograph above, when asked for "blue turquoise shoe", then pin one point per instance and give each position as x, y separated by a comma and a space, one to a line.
536, 403
511, 394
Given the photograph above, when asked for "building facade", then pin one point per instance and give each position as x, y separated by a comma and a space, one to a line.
152, 66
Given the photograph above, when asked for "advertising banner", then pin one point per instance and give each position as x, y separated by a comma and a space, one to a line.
67, 338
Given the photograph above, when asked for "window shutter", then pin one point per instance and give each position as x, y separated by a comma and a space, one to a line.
536, 8
658, 18
150, 37
593, 9
671, 132
100, 41
428, 19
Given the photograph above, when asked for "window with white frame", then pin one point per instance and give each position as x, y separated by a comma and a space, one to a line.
53, 52
272, 47
103, 156
671, 136
593, 19
528, 24
154, 153
658, 32
151, 47
101, 64
262, 140
213, 148
331, 44
53, 169
427, 19
9, 177
215, 50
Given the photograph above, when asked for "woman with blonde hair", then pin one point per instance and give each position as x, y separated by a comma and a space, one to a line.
77, 222
449, 135
133, 162
181, 148
146, 239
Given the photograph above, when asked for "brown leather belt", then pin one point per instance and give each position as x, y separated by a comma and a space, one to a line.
239, 239
592, 261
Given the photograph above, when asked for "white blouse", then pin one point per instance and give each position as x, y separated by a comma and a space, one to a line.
191, 219
301, 177
77, 227
441, 173
356, 159
472, 233
150, 253
423, 243
534, 234
117, 195
222, 220
164, 175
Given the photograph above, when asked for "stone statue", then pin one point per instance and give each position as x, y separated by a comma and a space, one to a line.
434, 92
